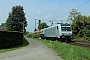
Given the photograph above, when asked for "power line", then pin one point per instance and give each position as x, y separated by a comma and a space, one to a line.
70, 4
75, 7
70, 10
87, 13
83, 4
61, 14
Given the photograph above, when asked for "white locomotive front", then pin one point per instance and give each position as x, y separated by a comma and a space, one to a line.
62, 32
65, 32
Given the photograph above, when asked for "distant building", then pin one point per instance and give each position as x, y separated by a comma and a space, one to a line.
2, 28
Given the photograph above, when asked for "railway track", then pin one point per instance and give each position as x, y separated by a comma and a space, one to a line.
78, 43
83, 44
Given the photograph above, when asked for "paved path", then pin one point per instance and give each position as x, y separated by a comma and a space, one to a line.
35, 51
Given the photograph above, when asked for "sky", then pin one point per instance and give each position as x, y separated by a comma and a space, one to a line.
44, 10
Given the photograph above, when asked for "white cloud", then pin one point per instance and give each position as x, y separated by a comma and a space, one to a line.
57, 1
47, 16
39, 12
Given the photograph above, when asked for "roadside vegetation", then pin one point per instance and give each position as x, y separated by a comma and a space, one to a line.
80, 25
64, 50
25, 43
81, 32
16, 22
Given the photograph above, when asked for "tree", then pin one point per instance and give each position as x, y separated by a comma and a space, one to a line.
3, 24
88, 19
73, 14
88, 22
42, 25
81, 26
16, 20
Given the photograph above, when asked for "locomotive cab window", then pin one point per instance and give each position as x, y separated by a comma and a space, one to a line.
66, 28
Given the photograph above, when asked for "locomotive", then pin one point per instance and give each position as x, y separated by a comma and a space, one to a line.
61, 32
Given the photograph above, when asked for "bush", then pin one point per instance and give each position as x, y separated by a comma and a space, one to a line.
34, 35
10, 39
29, 35
87, 35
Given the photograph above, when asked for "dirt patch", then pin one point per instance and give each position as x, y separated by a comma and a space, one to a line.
83, 44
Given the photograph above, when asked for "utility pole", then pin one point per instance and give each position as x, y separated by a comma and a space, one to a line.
39, 22
35, 24
39, 27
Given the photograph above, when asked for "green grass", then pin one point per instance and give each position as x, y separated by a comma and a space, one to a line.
67, 51
25, 43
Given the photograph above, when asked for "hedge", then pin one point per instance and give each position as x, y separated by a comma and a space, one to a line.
10, 39
34, 35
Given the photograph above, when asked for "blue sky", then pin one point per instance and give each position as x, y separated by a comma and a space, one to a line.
44, 10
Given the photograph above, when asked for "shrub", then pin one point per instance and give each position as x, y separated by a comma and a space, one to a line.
34, 35
29, 35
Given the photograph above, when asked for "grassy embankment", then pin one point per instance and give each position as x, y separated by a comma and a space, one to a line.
25, 43
67, 51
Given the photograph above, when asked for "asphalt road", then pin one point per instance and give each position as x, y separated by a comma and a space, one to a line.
35, 51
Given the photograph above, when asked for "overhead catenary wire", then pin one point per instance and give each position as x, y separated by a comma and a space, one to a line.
69, 10
83, 4
70, 4
86, 13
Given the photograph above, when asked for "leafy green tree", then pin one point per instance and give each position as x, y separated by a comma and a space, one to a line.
16, 20
73, 14
88, 23
3, 24
81, 26
42, 25
88, 19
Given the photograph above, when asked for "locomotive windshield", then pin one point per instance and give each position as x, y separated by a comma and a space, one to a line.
66, 28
